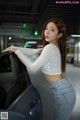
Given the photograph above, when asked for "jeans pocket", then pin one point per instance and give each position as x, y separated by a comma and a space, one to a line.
70, 97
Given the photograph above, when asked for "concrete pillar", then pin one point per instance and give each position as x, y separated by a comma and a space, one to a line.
77, 52
1, 43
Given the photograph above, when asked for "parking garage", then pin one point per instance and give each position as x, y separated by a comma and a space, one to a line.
20, 25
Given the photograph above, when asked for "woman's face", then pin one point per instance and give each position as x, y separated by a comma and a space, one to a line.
51, 33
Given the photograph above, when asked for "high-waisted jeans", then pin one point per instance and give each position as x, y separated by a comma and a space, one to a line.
64, 99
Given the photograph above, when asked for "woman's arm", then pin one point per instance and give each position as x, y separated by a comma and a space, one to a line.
41, 60
29, 51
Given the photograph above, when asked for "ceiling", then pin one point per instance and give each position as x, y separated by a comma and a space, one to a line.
38, 11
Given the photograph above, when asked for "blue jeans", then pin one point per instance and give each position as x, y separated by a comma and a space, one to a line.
64, 96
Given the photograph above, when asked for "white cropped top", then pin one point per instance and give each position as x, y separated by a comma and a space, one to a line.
49, 60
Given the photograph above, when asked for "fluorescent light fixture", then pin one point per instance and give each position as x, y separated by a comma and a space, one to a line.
32, 42
75, 35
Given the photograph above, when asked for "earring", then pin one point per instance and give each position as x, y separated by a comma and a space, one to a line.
58, 41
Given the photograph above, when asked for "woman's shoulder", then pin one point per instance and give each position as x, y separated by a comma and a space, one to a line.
50, 46
56, 47
47, 47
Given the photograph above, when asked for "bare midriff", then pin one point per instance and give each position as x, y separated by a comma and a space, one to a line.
51, 78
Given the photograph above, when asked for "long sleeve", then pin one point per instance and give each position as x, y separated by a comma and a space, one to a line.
29, 51
37, 64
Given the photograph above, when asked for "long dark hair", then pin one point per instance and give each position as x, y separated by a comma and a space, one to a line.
62, 40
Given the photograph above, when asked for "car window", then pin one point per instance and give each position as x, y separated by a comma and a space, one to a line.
5, 64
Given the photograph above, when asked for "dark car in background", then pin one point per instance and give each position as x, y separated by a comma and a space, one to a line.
70, 58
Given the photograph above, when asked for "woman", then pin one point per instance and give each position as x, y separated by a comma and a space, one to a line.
52, 62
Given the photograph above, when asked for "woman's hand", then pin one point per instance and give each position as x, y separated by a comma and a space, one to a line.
11, 49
